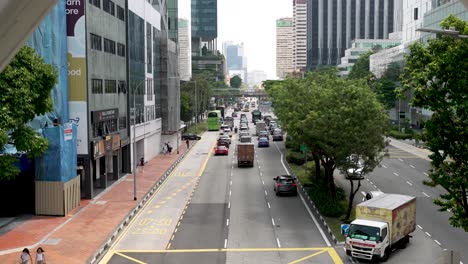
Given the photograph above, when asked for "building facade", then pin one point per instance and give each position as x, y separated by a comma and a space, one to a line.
332, 25
204, 25
124, 87
300, 34
284, 47
236, 62
185, 54
256, 78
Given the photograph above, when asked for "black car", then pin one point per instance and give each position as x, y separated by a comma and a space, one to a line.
285, 184
190, 136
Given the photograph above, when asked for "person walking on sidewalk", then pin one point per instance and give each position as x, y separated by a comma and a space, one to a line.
169, 148
26, 257
188, 143
40, 257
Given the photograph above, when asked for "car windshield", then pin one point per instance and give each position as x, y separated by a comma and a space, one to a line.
286, 181
263, 139
364, 232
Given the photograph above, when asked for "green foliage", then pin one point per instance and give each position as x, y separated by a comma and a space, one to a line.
360, 69
295, 157
236, 82
318, 193
438, 75
385, 90
25, 86
400, 135
198, 128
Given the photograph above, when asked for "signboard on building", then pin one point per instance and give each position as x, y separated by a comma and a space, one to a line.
104, 115
77, 88
67, 131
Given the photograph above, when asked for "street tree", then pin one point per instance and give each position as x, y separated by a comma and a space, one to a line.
236, 82
437, 74
25, 87
361, 68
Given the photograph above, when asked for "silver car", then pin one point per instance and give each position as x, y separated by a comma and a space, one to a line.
285, 184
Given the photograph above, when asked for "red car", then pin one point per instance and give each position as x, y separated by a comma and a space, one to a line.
221, 150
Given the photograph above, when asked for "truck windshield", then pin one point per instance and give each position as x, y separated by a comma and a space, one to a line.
364, 232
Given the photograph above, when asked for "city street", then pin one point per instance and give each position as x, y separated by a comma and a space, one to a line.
403, 172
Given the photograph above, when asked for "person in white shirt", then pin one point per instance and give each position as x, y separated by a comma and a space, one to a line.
25, 257
40, 257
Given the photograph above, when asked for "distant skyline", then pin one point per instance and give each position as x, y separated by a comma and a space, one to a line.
254, 24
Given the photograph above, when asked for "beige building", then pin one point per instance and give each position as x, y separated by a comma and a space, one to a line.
185, 53
284, 47
300, 34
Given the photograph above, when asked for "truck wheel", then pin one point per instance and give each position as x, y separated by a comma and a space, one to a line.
348, 252
386, 254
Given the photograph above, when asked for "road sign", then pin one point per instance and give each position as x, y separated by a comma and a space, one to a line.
344, 229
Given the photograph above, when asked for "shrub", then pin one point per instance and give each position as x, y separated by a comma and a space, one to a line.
295, 157
400, 135
318, 192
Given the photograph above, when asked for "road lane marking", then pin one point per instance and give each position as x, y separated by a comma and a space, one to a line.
266, 193
230, 183
263, 182
305, 204
208, 250
409, 183
449, 210
429, 235
363, 193
396, 174
425, 174
130, 258
384, 166
420, 227
412, 166
269, 205
277, 242
371, 182
425, 194
437, 242
273, 222
225, 243
230, 192
229, 205
400, 159
227, 222
261, 174
307, 257
367, 179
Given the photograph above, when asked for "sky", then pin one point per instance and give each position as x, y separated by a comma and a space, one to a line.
252, 22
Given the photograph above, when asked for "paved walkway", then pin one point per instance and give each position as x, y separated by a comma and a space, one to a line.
76, 237
420, 152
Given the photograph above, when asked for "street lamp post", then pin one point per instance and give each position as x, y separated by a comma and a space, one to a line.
134, 142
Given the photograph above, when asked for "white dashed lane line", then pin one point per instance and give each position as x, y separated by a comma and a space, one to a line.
425, 194
266, 192
412, 166
409, 183
437, 242
227, 222
225, 243
396, 174
425, 174
420, 227
400, 160
269, 205
273, 222
384, 166
229, 205
429, 235
277, 241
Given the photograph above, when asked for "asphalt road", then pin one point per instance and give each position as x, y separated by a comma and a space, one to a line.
235, 211
404, 173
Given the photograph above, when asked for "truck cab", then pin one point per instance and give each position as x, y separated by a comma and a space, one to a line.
367, 239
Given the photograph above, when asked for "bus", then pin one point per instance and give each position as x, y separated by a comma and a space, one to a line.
214, 121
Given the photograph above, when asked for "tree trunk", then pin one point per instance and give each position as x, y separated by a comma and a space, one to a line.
352, 194
329, 177
317, 165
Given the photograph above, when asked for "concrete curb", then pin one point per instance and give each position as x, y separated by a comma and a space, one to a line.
311, 205
106, 245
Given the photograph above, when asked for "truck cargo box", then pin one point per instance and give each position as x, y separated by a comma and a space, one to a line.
245, 154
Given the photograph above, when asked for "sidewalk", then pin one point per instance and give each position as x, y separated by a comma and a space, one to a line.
77, 237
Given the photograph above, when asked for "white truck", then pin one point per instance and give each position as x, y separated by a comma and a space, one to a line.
260, 126
382, 223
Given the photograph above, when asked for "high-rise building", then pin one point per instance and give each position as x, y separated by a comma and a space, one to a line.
256, 77
332, 25
204, 22
300, 34
284, 47
185, 55
235, 60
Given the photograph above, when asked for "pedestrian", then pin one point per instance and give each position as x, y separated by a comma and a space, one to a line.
26, 257
40, 257
164, 149
169, 148
188, 143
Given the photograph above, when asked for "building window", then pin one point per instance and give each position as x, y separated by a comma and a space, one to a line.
121, 49
148, 48
96, 86
111, 86
96, 3
105, 127
416, 13
122, 87
96, 42
122, 122
120, 13
109, 46
108, 6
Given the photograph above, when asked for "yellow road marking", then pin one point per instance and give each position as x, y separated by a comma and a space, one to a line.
130, 258
307, 257
107, 257
161, 187
162, 202
336, 258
